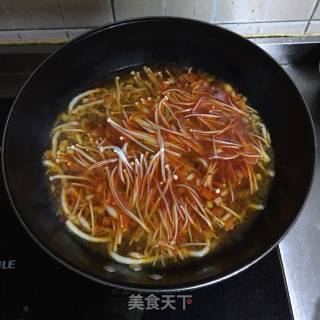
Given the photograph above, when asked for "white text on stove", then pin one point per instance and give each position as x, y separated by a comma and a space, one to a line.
7, 264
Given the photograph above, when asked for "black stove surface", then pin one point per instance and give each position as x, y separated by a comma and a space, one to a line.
35, 286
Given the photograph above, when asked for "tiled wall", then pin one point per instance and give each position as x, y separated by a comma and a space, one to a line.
59, 20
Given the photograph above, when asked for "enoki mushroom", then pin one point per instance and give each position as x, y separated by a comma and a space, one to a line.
159, 166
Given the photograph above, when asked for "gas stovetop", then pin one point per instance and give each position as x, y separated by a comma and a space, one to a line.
35, 286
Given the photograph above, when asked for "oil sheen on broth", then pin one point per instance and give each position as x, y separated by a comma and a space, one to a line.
159, 166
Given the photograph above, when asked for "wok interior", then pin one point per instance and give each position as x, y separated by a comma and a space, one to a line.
80, 65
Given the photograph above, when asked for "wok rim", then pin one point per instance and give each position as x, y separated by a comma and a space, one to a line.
179, 287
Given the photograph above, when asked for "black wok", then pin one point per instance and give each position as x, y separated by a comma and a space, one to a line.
82, 62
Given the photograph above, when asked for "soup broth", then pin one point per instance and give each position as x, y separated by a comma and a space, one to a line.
159, 165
